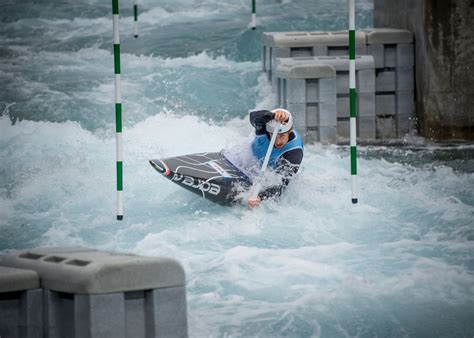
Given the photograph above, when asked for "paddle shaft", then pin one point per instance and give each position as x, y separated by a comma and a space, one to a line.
257, 186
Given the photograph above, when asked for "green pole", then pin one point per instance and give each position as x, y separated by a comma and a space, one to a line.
118, 109
135, 18
254, 15
353, 101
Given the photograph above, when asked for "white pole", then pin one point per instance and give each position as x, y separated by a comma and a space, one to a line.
353, 101
254, 15
118, 109
135, 19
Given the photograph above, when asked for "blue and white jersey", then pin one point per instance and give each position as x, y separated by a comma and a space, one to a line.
261, 143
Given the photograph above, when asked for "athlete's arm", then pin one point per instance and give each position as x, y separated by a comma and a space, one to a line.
259, 118
287, 167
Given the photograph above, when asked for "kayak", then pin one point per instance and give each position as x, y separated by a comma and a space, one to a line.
210, 175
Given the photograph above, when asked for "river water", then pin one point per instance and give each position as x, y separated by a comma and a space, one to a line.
399, 263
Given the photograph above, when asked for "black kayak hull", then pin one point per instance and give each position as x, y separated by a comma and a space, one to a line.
209, 175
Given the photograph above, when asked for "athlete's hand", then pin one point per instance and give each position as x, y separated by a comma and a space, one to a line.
253, 202
281, 116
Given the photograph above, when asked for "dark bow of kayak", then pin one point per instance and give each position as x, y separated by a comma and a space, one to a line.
210, 175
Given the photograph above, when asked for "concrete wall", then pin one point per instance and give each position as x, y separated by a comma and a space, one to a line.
444, 65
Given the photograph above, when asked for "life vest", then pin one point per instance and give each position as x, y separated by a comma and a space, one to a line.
261, 142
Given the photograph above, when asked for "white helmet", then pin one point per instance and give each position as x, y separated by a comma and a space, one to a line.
273, 124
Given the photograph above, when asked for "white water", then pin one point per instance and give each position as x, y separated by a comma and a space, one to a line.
400, 263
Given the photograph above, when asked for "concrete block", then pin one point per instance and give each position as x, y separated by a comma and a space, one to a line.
342, 82
338, 51
405, 79
135, 313
91, 271
386, 127
312, 115
361, 50
280, 93
406, 103
264, 58
344, 51
327, 135
388, 36
167, 309
385, 105
58, 314
390, 56
31, 313
301, 51
366, 128
365, 81
12, 279
9, 314
385, 81
280, 53
320, 50
327, 90
98, 294
311, 39
21, 313
343, 107
366, 105
377, 51
299, 69
276, 53
298, 111
312, 90
343, 129
296, 91
100, 316
405, 55
327, 114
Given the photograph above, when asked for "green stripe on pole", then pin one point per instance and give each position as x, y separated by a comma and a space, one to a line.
253, 6
117, 58
352, 37
115, 7
118, 117
353, 161
353, 101
135, 11
119, 176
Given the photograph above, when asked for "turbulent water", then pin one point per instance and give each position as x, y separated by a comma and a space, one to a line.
400, 263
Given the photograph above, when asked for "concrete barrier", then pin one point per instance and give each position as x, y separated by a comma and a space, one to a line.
90, 293
393, 53
21, 299
309, 92
301, 44
365, 80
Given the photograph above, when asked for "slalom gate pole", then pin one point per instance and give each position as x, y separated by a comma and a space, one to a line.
118, 109
135, 19
254, 15
353, 101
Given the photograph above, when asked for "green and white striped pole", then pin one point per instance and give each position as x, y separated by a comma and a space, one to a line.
254, 15
118, 109
135, 19
353, 101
